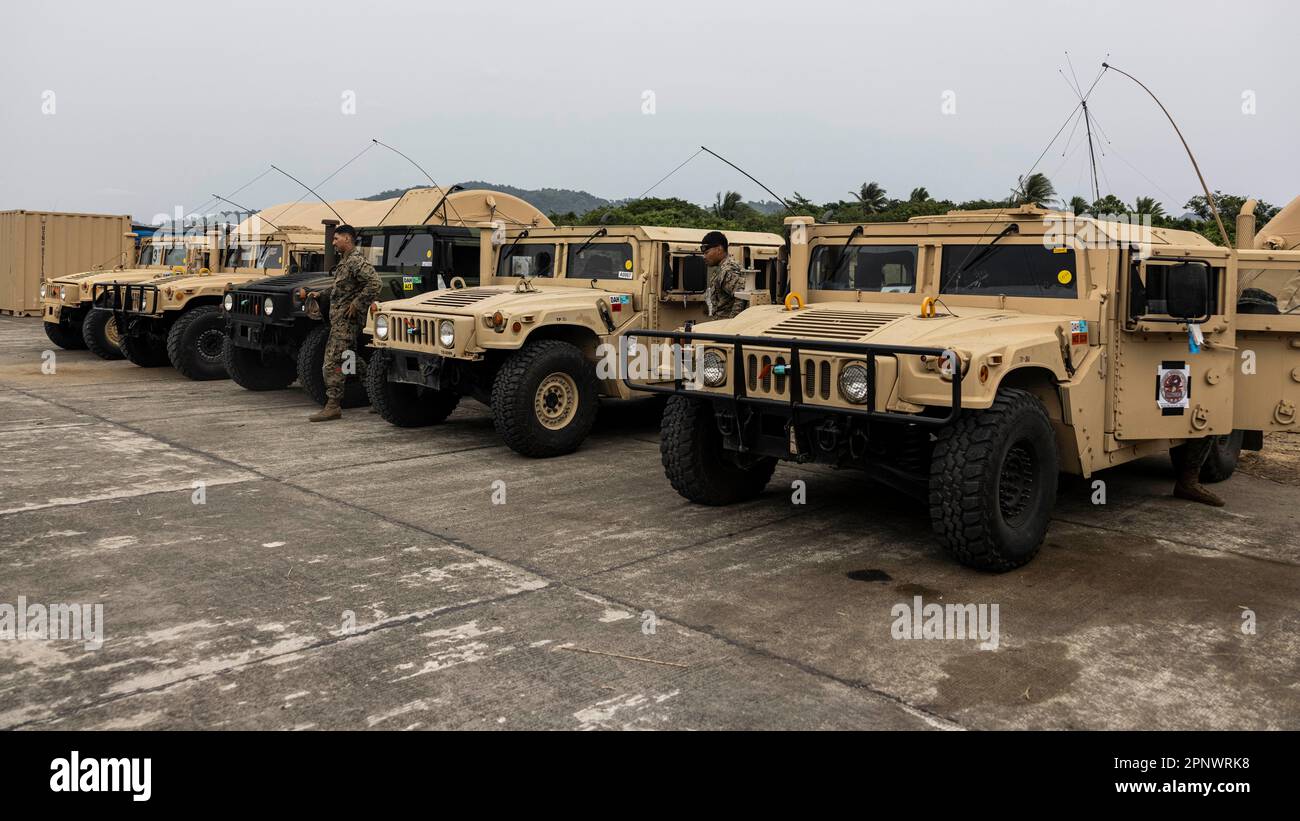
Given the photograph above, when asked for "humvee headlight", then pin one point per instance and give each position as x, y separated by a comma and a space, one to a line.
854, 384
447, 333
44, 290
63, 293
381, 327
714, 369
228, 303
268, 306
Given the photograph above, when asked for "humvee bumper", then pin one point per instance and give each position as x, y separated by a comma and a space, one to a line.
790, 396
427, 369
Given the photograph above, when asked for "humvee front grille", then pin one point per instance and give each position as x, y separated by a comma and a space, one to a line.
462, 297
413, 332
824, 323
763, 380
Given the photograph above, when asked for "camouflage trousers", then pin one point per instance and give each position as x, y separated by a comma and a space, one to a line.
342, 341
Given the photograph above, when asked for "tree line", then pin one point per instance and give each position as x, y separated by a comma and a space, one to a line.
871, 203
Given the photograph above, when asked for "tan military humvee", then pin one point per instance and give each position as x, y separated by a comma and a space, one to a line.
179, 319
529, 342
70, 321
970, 357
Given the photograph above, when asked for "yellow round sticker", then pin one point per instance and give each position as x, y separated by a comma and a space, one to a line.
428, 254
627, 266
1064, 277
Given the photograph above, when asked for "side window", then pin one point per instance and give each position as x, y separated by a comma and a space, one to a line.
607, 260
1149, 291
1268, 290
310, 261
372, 248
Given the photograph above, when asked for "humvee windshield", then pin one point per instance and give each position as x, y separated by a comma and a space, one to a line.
880, 268
413, 250
1010, 270
174, 255
528, 260
610, 260
272, 256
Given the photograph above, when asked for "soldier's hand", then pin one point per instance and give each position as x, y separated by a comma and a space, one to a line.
351, 311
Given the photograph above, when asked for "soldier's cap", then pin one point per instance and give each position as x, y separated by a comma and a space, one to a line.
346, 229
712, 239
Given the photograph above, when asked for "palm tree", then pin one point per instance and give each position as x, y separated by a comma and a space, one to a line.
1034, 189
726, 205
1149, 205
919, 195
1078, 205
872, 197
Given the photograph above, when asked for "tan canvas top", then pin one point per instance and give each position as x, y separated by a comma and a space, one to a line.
463, 208
1283, 231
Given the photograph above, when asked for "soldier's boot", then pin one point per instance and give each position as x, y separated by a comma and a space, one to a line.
1189, 486
330, 412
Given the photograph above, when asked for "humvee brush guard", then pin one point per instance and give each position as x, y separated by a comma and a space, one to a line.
71, 322
528, 341
968, 358
276, 328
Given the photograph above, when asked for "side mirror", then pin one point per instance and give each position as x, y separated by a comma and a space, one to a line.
1187, 290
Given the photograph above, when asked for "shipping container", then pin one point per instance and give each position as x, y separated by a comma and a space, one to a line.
41, 245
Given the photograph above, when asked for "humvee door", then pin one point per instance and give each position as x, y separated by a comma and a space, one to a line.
1169, 384
1268, 340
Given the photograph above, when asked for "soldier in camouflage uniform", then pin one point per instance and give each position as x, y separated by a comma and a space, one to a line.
720, 295
355, 286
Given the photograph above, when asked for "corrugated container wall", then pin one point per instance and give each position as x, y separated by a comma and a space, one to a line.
36, 245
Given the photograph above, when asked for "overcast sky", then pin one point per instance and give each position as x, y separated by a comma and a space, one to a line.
143, 108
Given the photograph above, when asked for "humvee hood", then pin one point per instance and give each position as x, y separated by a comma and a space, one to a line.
286, 283
894, 324
489, 299
104, 276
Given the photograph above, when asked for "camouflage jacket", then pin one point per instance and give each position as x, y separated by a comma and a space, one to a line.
720, 296
355, 281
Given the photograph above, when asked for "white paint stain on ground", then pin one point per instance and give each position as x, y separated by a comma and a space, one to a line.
612, 614
454, 646
629, 711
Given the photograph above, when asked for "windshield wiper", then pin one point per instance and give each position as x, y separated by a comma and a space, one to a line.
511, 249
600, 232
405, 242
844, 252
972, 256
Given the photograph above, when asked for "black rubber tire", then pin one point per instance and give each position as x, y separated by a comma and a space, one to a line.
697, 465
515, 388
95, 331
145, 349
966, 482
1221, 461
401, 403
311, 359
256, 371
65, 334
196, 343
